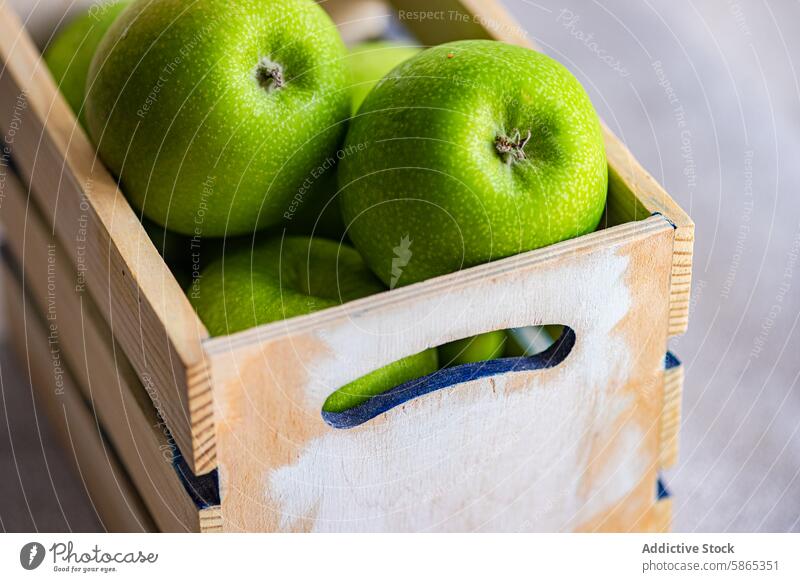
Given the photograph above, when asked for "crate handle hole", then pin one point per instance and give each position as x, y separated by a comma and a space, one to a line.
448, 377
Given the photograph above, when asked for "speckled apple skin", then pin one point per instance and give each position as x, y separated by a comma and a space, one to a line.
370, 61
428, 193
479, 348
69, 55
178, 115
282, 278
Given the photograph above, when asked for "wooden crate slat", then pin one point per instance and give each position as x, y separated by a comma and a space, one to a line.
135, 291
100, 368
270, 382
211, 520
656, 200
113, 496
560, 253
671, 414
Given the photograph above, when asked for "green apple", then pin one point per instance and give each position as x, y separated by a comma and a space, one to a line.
382, 380
212, 113
469, 152
282, 278
69, 54
319, 213
370, 61
479, 348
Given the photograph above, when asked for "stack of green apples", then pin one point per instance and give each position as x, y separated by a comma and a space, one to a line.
311, 175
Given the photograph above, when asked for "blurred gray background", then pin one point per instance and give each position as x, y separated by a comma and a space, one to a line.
707, 97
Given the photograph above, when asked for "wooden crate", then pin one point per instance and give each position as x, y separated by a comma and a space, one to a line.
41, 277
112, 495
522, 445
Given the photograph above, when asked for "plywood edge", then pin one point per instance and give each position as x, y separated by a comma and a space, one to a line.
201, 411
211, 520
111, 492
137, 439
153, 318
108, 381
671, 416
681, 284
656, 200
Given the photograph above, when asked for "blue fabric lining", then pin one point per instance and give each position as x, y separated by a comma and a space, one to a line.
661, 490
447, 378
671, 361
203, 489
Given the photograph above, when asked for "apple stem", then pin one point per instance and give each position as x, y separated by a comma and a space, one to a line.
512, 148
269, 74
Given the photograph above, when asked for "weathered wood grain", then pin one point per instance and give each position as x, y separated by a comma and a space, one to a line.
133, 288
99, 368
111, 492
474, 456
211, 520
671, 415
